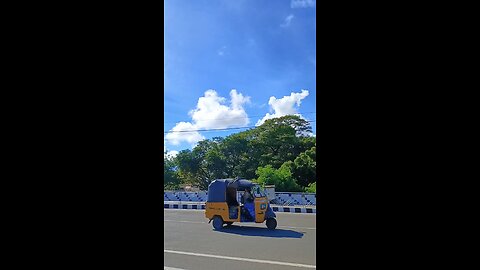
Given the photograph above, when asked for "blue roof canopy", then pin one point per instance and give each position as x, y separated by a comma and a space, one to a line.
241, 184
218, 188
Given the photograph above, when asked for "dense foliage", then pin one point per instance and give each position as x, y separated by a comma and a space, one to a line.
279, 152
312, 188
171, 180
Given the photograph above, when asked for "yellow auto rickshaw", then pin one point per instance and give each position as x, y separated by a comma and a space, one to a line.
223, 208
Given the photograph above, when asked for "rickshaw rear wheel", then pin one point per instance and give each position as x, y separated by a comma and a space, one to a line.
271, 223
217, 223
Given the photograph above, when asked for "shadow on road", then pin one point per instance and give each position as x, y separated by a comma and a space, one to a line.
264, 232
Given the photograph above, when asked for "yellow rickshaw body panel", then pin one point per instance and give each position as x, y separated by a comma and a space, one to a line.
261, 205
219, 209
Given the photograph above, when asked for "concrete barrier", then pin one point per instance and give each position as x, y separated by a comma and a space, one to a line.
201, 206
283, 198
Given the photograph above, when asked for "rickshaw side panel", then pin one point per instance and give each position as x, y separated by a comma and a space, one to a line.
261, 205
218, 209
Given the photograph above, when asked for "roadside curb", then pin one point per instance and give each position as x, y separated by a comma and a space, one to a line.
293, 209
286, 209
184, 206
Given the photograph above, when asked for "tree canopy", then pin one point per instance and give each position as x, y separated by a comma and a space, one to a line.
281, 151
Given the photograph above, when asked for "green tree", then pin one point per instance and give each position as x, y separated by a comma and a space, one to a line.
281, 178
215, 163
304, 168
234, 151
201, 165
312, 188
281, 139
171, 179
301, 126
277, 142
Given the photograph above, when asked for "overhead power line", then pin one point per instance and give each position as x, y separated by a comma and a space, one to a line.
222, 119
213, 129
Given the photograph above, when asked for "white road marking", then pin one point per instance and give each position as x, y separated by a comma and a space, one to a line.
297, 228
171, 268
184, 221
240, 259
183, 210
291, 213
206, 222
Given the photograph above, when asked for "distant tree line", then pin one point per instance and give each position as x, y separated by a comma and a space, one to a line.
281, 152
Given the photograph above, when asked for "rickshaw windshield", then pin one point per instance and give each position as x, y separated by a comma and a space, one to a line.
258, 191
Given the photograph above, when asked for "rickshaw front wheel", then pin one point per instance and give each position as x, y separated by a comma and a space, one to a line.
271, 223
217, 223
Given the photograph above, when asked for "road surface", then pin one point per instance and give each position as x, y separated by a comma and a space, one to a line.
190, 243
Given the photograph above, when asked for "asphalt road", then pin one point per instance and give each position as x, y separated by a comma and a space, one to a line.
190, 243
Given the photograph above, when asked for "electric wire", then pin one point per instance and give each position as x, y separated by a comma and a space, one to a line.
213, 129
225, 119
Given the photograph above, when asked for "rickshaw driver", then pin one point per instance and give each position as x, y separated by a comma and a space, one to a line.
248, 207
247, 196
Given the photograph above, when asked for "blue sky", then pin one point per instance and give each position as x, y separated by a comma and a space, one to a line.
265, 50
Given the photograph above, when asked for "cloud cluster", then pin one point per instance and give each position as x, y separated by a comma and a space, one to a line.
216, 112
284, 106
212, 112
288, 21
178, 134
171, 154
221, 51
302, 3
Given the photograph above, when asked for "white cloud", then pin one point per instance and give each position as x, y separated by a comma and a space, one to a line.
284, 106
237, 100
302, 3
171, 154
221, 52
287, 21
176, 137
212, 112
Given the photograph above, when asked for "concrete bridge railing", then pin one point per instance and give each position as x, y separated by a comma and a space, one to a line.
281, 198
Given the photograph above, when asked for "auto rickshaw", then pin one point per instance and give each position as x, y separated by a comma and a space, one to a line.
223, 208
